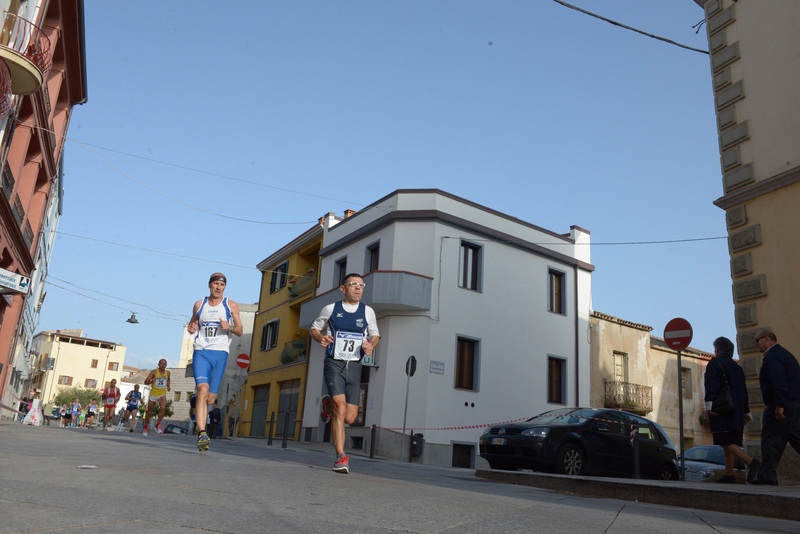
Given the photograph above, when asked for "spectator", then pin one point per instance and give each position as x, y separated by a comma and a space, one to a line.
214, 417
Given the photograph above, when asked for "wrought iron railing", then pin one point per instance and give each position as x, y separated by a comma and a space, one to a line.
28, 40
634, 398
5, 90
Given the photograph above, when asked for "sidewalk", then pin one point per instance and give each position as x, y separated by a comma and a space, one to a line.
779, 502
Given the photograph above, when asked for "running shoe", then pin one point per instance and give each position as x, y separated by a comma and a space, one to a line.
326, 409
144, 431
202, 442
342, 465
131, 429
158, 428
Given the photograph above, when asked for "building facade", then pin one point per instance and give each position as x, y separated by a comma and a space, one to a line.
276, 380
494, 310
42, 76
70, 359
636, 372
755, 72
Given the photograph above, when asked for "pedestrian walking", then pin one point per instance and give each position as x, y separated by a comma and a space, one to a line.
727, 428
780, 389
214, 417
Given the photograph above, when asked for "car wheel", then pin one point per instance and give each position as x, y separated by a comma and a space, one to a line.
571, 460
665, 472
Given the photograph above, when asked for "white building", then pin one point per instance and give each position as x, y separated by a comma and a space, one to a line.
494, 309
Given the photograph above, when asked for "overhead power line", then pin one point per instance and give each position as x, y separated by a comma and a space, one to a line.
615, 23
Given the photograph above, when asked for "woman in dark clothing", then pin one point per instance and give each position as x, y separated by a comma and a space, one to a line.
727, 428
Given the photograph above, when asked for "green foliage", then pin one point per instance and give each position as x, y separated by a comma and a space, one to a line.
66, 395
156, 408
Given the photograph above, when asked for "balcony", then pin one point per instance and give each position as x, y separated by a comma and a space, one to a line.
294, 351
5, 90
634, 398
301, 284
26, 50
386, 291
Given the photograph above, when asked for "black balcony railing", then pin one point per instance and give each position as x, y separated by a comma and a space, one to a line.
634, 398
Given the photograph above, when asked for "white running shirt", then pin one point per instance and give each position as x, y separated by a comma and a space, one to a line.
209, 334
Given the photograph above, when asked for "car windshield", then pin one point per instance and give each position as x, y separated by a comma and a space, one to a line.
713, 455
567, 416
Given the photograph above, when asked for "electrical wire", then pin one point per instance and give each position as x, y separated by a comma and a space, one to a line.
190, 206
162, 312
615, 23
48, 282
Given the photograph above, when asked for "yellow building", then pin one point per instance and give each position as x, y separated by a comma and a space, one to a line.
276, 380
66, 358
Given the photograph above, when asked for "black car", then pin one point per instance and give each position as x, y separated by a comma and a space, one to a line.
581, 441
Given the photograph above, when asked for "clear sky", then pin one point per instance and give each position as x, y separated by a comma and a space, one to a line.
279, 112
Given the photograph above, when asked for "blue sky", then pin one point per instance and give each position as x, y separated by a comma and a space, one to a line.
282, 112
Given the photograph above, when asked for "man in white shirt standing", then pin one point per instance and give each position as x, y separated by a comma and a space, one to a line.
351, 332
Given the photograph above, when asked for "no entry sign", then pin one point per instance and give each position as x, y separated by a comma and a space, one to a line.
678, 334
243, 361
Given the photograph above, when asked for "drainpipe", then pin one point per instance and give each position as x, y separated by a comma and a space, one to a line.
577, 344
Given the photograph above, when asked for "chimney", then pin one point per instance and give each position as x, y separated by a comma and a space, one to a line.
348, 213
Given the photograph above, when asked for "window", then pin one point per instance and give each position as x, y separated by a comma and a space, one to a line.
469, 266
467, 364
278, 280
340, 271
617, 423
620, 367
556, 380
686, 378
373, 257
269, 335
94, 364
89, 383
177, 396
64, 380
113, 366
17, 210
556, 292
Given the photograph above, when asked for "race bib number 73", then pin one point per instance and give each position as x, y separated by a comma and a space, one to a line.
347, 346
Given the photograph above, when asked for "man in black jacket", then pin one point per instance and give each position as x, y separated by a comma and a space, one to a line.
215, 416
780, 390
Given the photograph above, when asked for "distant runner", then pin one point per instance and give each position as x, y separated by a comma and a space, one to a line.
75, 413
133, 398
110, 399
91, 413
159, 379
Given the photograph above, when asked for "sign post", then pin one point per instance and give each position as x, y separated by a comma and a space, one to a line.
678, 335
243, 361
411, 368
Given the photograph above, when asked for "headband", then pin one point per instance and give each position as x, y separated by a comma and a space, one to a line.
214, 278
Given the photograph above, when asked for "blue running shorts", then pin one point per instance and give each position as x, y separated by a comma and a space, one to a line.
209, 366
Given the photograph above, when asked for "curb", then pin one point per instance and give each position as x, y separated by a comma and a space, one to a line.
772, 503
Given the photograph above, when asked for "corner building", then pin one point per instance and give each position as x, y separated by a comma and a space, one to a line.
494, 309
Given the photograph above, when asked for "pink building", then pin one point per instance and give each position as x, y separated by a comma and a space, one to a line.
42, 76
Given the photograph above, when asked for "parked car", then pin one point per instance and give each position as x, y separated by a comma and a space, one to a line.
581, 441
175, 429
706, 463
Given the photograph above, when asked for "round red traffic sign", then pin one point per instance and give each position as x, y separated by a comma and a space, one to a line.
243, 361
678, 334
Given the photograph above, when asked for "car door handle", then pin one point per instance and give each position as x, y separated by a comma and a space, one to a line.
659, 449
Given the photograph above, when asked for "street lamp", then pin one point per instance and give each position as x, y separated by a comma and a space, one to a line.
132, 319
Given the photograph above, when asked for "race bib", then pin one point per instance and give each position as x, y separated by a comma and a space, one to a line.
161, 382
347, 346
109, 401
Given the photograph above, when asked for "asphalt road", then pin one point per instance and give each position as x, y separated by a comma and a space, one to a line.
163, 484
